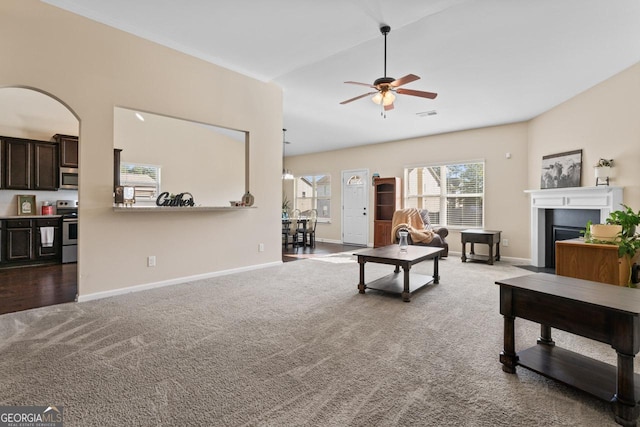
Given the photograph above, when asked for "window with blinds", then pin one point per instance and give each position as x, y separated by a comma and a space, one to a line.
144, 178
452, 193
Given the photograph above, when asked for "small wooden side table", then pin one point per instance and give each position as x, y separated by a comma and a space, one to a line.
487, 237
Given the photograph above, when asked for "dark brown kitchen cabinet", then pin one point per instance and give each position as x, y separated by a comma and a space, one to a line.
68, 146
30, 165
19, 240
44, 252
1, 169
23, 243
18, 164
45, 166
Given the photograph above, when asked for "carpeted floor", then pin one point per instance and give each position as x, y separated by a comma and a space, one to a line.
292, 345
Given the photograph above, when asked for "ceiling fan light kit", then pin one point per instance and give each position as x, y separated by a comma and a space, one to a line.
386, 86
384, 98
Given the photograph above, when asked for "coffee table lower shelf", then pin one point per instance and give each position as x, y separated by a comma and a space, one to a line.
584, 373
394, 283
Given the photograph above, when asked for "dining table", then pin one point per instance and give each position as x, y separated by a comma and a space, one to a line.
286, 225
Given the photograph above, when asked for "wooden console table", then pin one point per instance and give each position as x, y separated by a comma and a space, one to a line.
488, 237
591, 261
593, 310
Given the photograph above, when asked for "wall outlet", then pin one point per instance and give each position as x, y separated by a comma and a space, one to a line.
151, 261
505, 242
260, 247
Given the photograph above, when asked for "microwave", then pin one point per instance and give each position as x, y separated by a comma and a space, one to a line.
68, 179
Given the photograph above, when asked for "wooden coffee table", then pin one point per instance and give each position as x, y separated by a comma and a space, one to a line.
405, 284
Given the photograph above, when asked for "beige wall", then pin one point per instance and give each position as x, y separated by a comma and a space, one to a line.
92, 68
604, 122
506, 205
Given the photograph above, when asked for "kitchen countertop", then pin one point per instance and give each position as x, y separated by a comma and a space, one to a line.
29, 216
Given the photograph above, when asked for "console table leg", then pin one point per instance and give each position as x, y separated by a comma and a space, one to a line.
545, 336
464, 251
498, 251
508, 356
625, 408
361, 285
406, 294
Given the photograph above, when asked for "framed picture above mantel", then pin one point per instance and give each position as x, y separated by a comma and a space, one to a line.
561, 170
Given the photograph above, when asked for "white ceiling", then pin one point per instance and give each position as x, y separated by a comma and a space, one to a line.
490, 61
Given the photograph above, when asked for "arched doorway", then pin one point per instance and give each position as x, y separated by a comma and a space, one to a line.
32, 273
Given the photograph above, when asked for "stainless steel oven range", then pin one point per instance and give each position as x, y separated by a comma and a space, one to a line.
69, 211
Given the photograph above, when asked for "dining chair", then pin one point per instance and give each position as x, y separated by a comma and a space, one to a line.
286, 233
295, 231
310, 232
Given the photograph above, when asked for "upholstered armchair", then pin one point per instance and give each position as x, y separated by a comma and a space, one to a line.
416, 220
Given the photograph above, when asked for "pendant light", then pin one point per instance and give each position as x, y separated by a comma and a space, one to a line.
285, 173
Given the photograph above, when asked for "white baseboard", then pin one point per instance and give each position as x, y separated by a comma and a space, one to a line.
338, 242
514, 260
176, 281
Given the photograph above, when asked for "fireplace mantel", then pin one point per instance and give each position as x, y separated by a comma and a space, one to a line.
603, 198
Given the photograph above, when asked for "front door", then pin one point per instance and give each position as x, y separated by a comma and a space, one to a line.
355, 200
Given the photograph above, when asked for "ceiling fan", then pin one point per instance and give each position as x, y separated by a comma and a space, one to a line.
385, 87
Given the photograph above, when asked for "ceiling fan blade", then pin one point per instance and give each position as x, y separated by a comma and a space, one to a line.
357, 97
361, 84
388, 107
419, 93
404, 80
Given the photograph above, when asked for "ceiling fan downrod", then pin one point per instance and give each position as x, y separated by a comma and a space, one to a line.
385, 29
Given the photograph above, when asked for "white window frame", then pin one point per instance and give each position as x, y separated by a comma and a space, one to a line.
314, 197
415, 199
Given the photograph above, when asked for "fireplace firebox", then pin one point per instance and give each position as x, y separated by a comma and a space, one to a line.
564, 224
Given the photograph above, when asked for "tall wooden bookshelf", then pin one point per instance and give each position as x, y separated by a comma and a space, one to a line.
387, 199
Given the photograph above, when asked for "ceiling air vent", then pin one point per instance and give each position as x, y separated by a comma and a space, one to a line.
427, 113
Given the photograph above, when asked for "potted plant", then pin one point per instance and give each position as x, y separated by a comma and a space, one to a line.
626, 218
286, 206
627, 240
603, 170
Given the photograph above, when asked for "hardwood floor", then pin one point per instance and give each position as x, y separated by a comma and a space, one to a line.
22, 288
293, 254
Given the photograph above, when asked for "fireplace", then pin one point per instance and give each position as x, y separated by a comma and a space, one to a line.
564, 224
584, 203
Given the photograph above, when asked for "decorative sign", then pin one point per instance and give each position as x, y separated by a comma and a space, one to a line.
179, 200
26, 204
